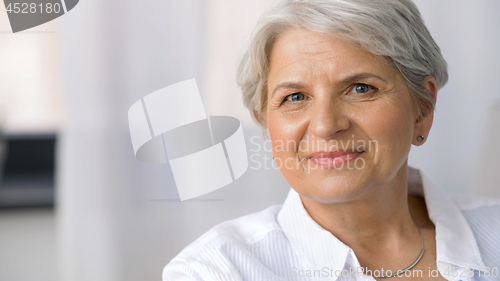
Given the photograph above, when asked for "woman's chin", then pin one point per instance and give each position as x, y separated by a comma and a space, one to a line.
333, 189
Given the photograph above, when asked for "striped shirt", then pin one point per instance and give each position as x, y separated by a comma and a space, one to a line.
283, 242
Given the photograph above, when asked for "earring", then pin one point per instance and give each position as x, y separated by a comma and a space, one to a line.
420, 138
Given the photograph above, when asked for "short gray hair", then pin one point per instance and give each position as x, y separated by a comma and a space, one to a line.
390, 29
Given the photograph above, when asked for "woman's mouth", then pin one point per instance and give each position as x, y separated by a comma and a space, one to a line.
334, 159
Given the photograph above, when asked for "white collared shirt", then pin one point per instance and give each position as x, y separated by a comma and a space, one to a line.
285, 243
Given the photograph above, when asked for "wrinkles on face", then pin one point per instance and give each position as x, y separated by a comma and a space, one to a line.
321, 72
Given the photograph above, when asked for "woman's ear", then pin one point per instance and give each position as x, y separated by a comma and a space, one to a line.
423, 122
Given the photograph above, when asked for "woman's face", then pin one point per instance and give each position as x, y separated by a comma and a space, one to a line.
341, 121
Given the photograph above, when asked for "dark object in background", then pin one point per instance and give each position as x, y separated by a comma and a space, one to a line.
28, 172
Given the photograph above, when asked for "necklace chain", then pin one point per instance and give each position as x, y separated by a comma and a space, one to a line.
419, 256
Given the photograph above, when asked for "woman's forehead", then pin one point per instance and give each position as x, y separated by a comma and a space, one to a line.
298, 51
302, 54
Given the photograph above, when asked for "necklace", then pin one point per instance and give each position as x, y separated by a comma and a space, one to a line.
419, 256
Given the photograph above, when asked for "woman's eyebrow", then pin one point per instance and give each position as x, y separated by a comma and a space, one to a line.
347, 80
359, 76
289, 85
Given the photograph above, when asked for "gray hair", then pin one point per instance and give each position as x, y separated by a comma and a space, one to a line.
390, 29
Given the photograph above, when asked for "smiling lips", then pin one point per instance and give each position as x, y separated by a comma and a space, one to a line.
333, 159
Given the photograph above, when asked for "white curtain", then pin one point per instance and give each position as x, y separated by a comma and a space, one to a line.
117, 217
115, 52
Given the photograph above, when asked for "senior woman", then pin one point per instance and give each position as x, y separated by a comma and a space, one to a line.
345, 88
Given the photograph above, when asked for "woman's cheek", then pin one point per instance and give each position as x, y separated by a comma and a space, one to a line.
398, 134
283, 142
286, 137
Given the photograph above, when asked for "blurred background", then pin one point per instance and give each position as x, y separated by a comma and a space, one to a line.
75, 204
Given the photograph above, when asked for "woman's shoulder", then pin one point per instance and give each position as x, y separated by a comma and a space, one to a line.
236, 235
482, 215
481, 212
245, 229
471, 203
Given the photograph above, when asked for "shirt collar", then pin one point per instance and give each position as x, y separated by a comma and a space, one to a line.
317, 247
455, 241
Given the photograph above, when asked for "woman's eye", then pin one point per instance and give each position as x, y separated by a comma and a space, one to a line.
295, 97
361, 88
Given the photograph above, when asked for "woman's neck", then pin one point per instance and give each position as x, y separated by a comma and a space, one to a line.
377, 221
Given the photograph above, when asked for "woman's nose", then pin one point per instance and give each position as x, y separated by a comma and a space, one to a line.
327, 119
